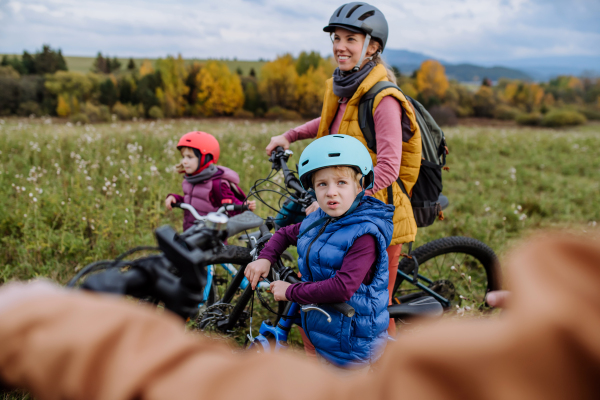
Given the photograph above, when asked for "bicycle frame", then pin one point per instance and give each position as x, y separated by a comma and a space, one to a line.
232, 271
279, 333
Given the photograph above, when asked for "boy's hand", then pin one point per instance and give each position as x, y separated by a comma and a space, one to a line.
170, 200
256, 270
277, 141
312, 208
251, 205
278, 289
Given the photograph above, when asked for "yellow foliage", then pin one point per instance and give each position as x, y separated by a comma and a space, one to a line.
574, 83
279, 82
75, 108
409, 90
311, 90
173, 74
146, 68
63, 109
431, 79
219, 91
548, 100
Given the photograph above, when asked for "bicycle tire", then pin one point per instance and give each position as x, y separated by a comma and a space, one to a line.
229, 254
472, 277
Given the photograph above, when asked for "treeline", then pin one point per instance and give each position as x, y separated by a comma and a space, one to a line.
286, 88
562, 101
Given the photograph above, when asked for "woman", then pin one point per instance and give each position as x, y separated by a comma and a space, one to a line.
359, 33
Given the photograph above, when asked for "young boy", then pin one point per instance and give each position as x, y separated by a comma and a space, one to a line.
206, 186
341, 253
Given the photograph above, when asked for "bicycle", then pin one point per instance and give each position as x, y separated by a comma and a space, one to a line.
452, 270
210, 294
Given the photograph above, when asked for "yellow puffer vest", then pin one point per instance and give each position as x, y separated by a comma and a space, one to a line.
405, 227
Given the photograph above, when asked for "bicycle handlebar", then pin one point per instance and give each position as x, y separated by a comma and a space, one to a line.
279, 158
344, 308
222, 209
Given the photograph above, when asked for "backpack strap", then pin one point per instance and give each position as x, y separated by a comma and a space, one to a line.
365, 113
367, 126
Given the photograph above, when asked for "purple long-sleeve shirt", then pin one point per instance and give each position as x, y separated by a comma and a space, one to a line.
358, 267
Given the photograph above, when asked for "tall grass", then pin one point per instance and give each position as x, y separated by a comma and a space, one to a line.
76, 194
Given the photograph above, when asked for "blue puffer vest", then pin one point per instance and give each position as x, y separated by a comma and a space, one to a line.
358, 340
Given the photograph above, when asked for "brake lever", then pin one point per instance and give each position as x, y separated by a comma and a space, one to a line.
313, 307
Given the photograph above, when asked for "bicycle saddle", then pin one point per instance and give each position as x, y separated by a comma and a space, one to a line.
244, 221
423, 307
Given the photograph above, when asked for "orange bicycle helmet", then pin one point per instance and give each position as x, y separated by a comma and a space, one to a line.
205, 146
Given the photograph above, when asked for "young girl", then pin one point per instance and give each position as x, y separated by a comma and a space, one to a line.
341, 253
206, 186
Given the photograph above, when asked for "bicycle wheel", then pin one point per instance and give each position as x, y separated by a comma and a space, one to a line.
217, 309
461, 269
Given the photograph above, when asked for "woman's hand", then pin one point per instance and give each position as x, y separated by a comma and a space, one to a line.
256, 270
251, 205
278, 288
312, 208
170, 200
277, 141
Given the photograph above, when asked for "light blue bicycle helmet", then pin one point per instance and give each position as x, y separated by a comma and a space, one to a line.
335, 150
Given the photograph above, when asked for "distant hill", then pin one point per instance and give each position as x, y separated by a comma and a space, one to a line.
408, 61
470, 73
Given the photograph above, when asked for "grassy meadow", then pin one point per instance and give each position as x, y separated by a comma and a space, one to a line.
76, 194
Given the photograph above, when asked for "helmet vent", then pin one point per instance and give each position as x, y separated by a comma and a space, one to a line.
352, 10
305, 162
188, 140
366, 15
334, 154
339, 11
337, 136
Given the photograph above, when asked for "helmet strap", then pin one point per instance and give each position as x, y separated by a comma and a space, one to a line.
363, 53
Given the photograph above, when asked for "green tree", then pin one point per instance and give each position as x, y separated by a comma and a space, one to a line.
108, 93
131, 65
173, 90
49, 61
115, 65
306, 60
100, 64
29, 64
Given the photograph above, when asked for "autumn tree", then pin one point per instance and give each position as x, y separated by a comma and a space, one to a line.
220, 91
311, 90
484, 102
279, 82
431, 82
173, 90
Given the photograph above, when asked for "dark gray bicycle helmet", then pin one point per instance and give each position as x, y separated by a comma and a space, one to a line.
361, 18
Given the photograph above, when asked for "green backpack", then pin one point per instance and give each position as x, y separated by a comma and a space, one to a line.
426, 191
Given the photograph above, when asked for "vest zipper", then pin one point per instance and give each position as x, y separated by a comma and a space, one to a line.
310, 245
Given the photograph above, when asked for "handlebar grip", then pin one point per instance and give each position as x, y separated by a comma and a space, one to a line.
264, 230
176, 205
343, 308
279, 148
236, 207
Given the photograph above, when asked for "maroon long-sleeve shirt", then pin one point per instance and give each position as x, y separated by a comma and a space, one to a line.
358, 267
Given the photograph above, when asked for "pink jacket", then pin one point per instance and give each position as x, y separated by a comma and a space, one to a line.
205, 197
388, 126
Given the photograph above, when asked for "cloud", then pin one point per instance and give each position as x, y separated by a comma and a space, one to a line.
455, 30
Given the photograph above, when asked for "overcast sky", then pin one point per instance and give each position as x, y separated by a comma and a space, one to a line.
484, 31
